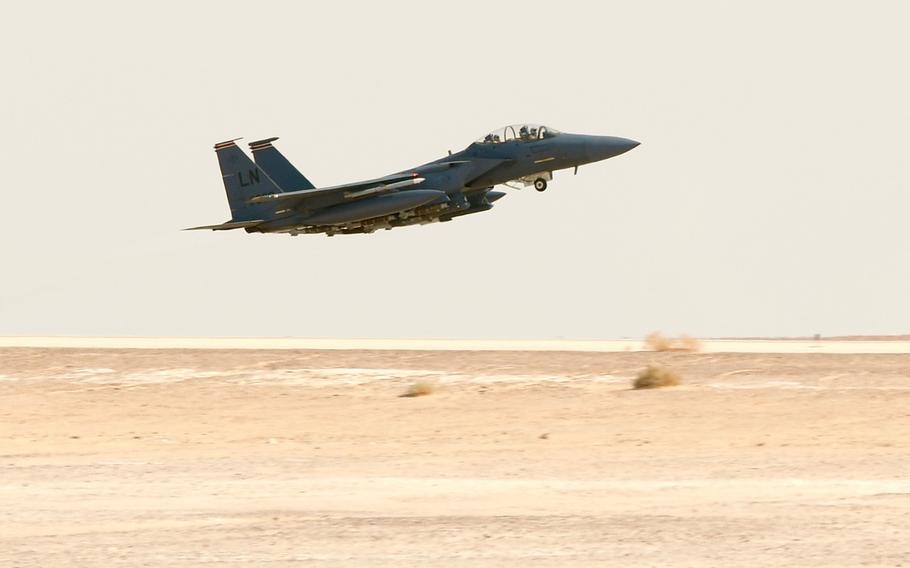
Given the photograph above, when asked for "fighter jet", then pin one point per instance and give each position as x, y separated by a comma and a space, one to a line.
269, 195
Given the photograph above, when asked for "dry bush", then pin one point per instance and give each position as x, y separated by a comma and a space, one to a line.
689, 344
659, 342
655, 377
420, 388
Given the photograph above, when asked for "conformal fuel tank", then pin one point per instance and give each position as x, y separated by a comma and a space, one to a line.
375, 207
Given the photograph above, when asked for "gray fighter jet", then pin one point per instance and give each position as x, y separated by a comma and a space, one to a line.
271, 196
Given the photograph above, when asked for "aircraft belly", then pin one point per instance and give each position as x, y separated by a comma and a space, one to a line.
373, 207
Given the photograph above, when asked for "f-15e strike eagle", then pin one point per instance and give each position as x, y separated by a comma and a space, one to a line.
271, 196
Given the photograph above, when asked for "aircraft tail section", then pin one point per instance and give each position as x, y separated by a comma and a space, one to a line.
278, 167
244, 180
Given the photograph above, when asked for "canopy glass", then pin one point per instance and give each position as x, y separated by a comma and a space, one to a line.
519, 133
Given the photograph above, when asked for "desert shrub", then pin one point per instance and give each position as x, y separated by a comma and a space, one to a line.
655, 377
657, 341
689, 344
420, 388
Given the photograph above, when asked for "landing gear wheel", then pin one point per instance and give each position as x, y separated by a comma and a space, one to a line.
540, 184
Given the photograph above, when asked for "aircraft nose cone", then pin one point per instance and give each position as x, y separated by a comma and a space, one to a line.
603, 147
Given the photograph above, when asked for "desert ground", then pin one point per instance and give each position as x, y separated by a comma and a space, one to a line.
115, 456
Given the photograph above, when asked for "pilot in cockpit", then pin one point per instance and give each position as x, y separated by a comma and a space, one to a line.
523, 133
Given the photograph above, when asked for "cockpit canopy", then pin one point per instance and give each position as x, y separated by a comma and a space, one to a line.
519, 132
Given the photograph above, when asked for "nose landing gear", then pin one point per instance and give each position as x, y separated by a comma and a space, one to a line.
539, 180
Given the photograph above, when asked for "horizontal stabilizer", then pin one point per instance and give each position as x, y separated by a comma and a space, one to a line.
227, 226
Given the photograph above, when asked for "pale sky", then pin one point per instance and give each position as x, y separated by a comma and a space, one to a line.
770, 195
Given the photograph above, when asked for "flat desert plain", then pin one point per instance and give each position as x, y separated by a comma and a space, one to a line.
309, 457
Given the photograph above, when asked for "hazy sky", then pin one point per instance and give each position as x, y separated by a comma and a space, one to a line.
770, 195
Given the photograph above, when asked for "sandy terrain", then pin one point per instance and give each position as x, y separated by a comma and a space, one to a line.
169, 457
895, 345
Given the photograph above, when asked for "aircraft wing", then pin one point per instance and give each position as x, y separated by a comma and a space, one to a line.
227, 226
350, 191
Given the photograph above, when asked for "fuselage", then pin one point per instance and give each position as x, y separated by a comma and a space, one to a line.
454, 185
495, 164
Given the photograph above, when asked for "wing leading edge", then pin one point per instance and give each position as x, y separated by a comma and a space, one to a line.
349, 190
227, 226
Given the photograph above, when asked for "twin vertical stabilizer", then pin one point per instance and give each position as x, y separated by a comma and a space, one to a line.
245, 180
280, 169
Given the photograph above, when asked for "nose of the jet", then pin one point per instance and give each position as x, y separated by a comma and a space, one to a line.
603, 147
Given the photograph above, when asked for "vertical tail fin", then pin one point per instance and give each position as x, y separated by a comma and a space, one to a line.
243, 180
277, 166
